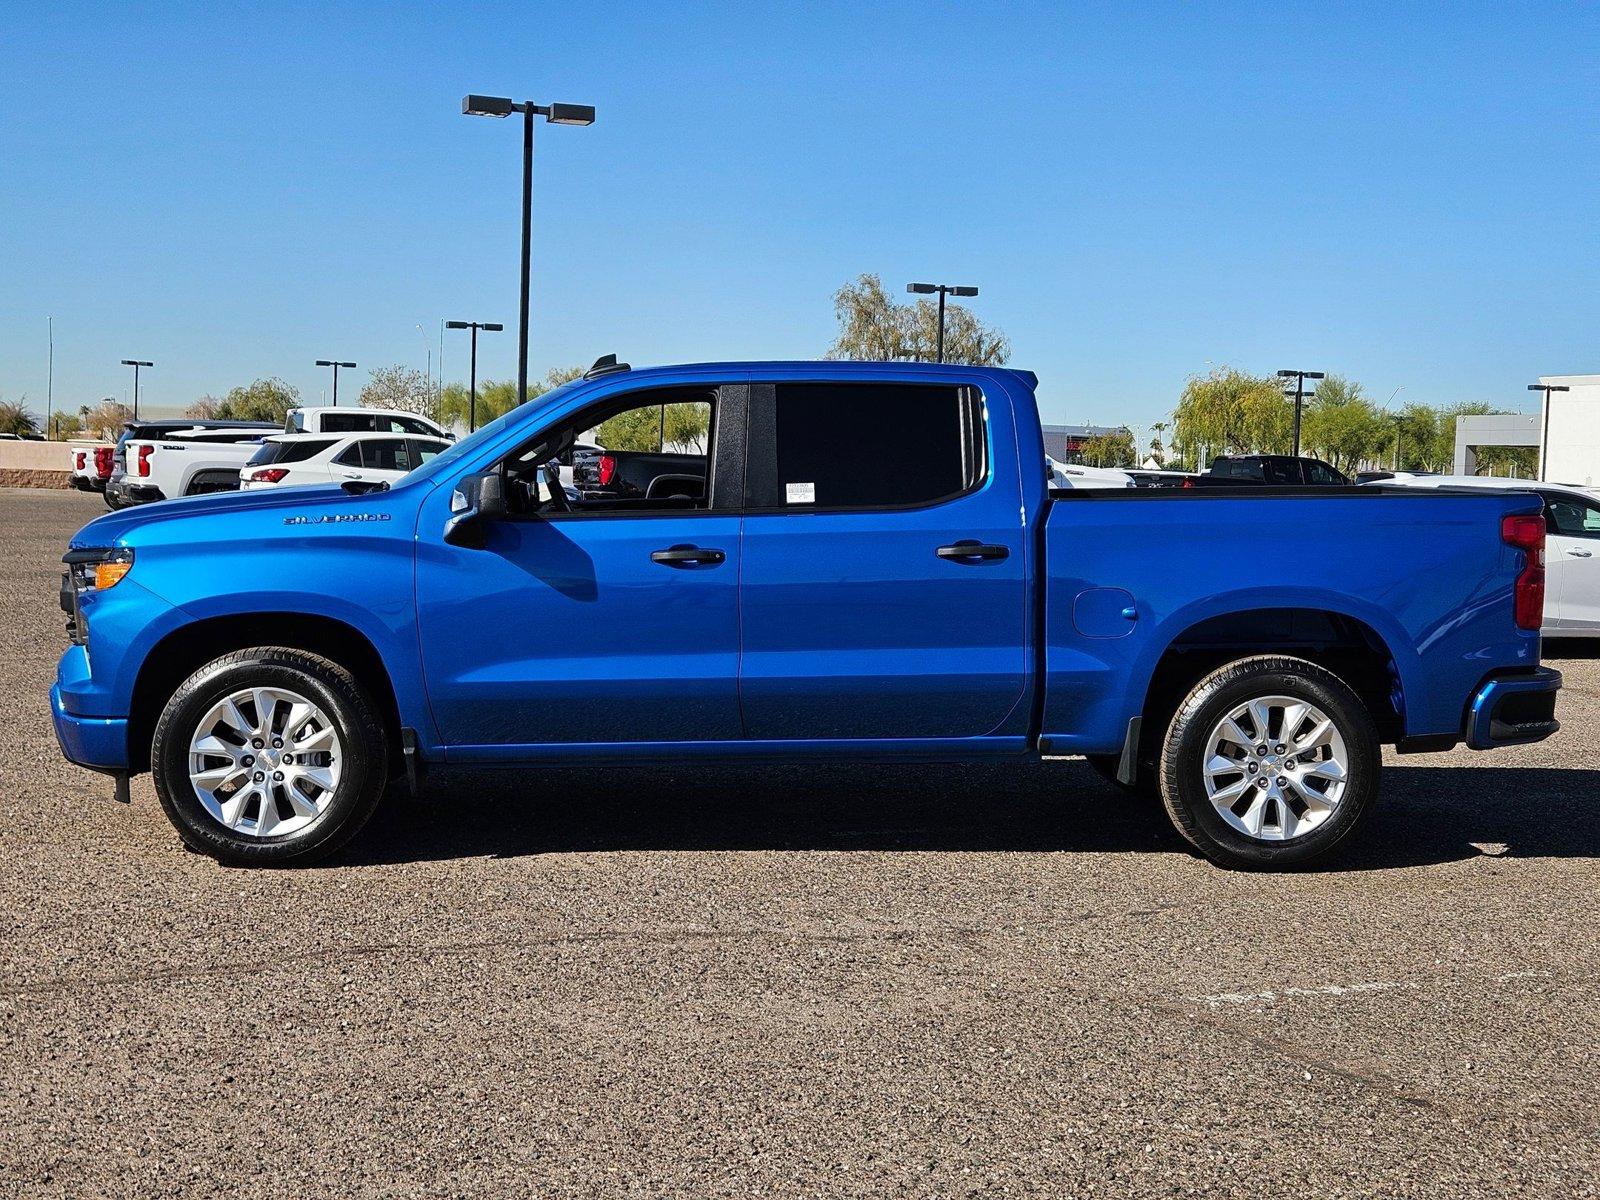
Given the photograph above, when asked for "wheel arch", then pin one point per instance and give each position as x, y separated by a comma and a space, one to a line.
188, 648
1343, 642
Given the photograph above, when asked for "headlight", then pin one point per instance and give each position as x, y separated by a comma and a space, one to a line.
93, 570
90, 571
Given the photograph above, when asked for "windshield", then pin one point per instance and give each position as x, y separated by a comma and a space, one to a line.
470, 444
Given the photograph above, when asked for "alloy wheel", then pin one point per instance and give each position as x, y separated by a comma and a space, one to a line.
1276, 768
265, 761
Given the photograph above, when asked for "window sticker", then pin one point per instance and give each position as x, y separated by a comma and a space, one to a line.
800, 493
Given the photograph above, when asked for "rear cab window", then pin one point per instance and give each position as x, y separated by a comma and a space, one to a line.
287, 452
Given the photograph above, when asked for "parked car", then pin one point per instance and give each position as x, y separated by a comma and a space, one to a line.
1275, 469
157, 460
91, 465
925, 596
330, 419
1572, 546
300, 458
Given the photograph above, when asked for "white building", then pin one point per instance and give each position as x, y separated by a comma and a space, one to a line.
1570, 443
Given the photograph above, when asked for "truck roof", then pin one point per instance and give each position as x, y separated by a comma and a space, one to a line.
828, 368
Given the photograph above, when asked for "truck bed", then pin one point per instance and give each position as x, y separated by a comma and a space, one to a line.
1133, 574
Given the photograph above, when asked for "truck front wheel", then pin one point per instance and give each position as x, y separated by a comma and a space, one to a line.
269, 757
1269, 763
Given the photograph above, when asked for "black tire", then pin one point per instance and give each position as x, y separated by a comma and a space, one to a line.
1182, 779
1105, 766
364, 764
113, 505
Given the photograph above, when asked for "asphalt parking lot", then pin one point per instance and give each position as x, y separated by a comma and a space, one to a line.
926, 982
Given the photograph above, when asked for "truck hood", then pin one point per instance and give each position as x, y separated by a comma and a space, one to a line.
111, 529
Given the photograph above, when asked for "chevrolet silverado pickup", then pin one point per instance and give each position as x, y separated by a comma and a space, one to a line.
914, 590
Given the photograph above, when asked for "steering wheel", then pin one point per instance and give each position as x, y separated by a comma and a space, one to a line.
552, 482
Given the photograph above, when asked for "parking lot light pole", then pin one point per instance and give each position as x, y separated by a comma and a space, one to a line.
1544, 430
335, 364
1300, 395
944, 289
136, 363
472, 387
556, 114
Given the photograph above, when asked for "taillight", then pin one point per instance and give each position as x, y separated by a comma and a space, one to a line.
1527, 535
144, 459
103, 456
608, 469
267, 475
80, 458
1188, 483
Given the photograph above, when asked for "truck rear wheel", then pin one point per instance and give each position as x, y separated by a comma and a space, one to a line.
1269, 763
269, 757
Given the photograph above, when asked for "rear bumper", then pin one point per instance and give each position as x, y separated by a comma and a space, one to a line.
133, 493
99, 743
1511, 710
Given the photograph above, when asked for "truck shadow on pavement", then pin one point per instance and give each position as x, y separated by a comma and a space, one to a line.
1425, 815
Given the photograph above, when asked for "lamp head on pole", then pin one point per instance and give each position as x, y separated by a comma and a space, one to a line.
487, 106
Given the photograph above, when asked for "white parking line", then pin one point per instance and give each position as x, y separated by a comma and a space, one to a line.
1349, 989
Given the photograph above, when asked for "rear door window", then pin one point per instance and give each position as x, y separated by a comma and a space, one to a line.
426, 449
869, 445
1569, 516
385, 454
348, 423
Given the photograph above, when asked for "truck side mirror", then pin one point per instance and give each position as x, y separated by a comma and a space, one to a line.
477, 500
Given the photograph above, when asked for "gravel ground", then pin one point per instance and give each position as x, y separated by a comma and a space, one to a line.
950, 981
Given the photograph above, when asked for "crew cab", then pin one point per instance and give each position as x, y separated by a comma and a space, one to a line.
877, 568
157, 460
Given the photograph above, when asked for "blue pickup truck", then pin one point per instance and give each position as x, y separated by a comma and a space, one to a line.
874, 567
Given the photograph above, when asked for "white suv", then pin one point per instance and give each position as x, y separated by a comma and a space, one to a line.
298, 458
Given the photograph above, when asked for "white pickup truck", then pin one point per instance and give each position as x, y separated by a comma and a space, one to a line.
157, 460
329, 419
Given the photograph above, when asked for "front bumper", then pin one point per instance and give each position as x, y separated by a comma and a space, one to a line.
99, 743
1511, 710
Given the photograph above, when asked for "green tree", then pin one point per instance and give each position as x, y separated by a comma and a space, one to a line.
681, 427
64, 425
1417, 428
1109, 450
1343, 426
16, 419
1230, 412
1158, 452
105, 420
873, 327
400, 387
264, 400
495, 399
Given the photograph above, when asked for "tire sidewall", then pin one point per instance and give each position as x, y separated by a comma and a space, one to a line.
362, 769
1183, 787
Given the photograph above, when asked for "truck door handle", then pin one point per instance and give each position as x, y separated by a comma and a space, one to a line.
1576, 553
675, 556
970, 551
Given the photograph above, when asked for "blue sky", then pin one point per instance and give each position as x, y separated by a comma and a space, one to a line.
1405, 194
